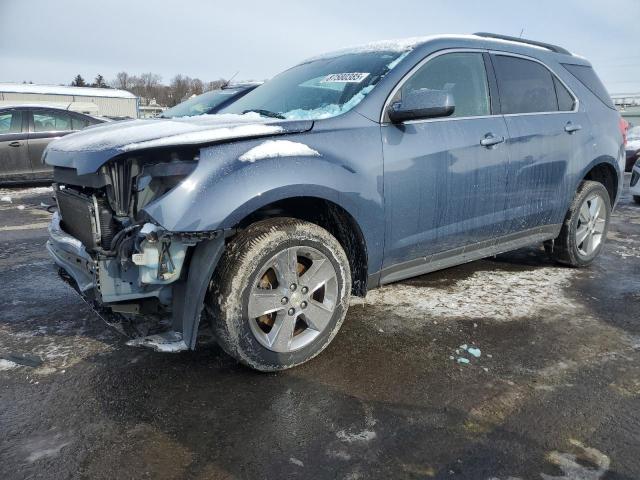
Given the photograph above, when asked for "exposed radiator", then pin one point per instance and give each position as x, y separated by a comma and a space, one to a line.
76, 212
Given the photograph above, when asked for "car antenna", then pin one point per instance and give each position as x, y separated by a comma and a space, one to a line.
229, 81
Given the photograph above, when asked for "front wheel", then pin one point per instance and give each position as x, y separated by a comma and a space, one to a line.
280, 293
636, 198
585, 226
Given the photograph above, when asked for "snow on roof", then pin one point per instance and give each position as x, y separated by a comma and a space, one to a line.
64, 90
397, 45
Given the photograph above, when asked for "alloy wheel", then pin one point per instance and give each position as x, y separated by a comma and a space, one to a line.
293, 300
591, 225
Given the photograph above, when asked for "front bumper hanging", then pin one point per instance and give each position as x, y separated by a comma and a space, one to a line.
188, 293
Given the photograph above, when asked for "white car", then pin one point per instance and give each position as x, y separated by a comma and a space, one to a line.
635, 182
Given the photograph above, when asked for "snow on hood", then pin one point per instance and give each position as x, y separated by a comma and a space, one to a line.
88, 149
131, 132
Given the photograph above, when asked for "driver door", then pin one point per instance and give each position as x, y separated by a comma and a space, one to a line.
445, 179
14, 155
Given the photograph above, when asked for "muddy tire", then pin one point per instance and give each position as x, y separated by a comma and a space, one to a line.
279, 294
585, 226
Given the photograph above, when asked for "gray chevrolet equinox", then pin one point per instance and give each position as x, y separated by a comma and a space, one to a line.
346, 172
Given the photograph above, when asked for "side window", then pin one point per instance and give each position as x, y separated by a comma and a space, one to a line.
525, 86
565, 99
51, 121
78, 123
463, 74
11, 122
589, 79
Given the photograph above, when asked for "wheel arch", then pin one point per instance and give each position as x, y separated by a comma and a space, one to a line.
331, 216
602, 170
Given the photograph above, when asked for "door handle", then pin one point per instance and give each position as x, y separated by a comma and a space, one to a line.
491, 140
572, 127
15, 144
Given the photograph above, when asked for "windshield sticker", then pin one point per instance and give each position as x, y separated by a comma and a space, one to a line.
345, 78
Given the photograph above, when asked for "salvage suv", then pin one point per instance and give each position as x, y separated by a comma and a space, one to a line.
346, 172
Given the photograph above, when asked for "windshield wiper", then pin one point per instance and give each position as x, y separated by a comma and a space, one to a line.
265, 113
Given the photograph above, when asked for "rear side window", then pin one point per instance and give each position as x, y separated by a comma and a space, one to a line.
566, 102
78, 123
525, 86
587, 76
51, 121
462, 74
11, 122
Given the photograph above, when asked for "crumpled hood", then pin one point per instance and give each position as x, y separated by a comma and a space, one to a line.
87, 150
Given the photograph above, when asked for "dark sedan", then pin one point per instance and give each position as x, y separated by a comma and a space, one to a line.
209, 102
25, 131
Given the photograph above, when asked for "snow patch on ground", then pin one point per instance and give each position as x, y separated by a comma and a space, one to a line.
278, 148
45, 446
295, 461
474, 351
363, 436
497, 295
573, 466
7, 365
9, 194
59, 350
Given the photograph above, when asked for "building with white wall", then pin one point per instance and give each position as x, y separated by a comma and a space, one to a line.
106, 102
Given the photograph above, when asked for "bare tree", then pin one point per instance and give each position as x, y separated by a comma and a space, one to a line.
197, 86
148, 86
180, 87
216, 84
122, 81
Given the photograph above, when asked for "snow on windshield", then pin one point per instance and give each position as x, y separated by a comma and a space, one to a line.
324, 87
328, 111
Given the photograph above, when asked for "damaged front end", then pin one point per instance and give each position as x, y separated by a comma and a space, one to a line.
126, 265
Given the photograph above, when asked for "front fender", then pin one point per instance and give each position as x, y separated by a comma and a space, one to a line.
223, 189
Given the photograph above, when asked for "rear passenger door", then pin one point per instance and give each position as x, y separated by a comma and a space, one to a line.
14, 156
546, 133
46, 125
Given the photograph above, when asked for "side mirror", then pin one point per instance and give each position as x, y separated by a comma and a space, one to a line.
423, 103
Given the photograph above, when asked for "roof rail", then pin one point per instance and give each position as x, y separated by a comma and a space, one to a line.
548, 46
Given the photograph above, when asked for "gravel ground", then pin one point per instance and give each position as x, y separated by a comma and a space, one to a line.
506, 368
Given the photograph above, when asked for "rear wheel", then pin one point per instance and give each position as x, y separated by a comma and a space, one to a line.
280, 293
636, 198
585, 226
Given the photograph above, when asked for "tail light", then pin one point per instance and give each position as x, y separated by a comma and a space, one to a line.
624, 126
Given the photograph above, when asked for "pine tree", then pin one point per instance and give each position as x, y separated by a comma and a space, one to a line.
99, 82
78, 81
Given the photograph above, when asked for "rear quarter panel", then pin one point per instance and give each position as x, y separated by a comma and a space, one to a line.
602, 139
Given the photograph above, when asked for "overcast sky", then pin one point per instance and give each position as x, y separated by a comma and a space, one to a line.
47, 41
